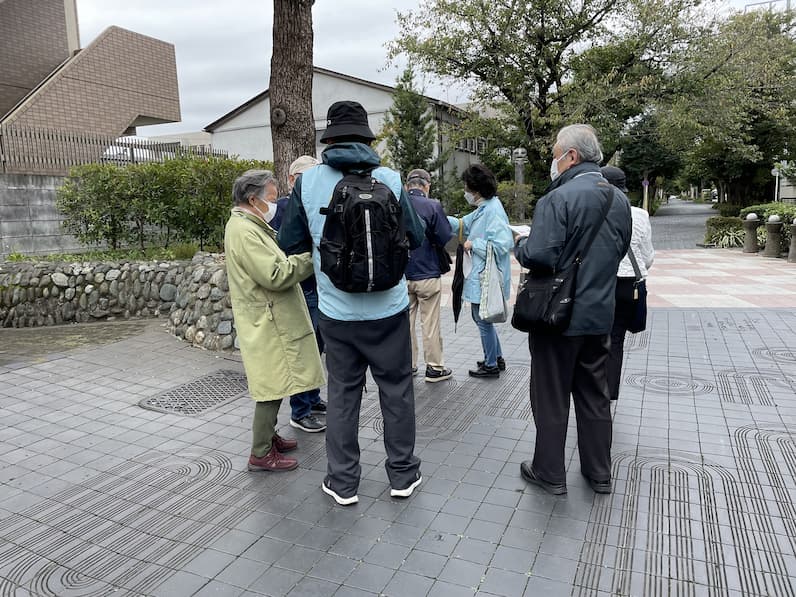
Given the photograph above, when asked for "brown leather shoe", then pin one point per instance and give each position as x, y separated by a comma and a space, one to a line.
284, 444
274, 461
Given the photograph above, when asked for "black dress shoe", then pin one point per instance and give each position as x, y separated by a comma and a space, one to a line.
501, 364
600, 486
526, 470
484, 371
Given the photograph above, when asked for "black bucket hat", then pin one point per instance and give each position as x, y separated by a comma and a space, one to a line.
615, 176
347, 119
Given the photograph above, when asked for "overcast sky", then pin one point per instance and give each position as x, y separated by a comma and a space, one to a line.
224, 47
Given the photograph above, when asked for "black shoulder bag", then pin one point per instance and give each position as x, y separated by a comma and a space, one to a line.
545, 304
638, 321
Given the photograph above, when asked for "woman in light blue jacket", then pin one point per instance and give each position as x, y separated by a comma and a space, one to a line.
487, 223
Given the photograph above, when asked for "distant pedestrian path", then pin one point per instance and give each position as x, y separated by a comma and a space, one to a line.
680, 224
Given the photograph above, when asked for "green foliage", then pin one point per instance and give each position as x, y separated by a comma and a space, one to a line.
518, 201
187, 198
732, 118
409, 127
786, 211
644, 156
719, 227
16, 256
523, 56
728, 209
450, 191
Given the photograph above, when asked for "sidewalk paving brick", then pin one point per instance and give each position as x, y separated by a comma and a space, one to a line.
99, 496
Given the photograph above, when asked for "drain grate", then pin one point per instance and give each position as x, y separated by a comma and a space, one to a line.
202, 394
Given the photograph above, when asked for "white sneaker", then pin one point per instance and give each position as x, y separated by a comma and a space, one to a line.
338, 498
405, 493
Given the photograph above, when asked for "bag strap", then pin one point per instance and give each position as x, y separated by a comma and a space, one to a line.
633, 261
461, 231
606, 209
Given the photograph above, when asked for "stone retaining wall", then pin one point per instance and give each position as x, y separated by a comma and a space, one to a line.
193, 295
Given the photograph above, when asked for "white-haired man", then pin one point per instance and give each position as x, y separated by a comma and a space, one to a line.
579, 207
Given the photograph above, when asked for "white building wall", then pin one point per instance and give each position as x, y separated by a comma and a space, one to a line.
248, 134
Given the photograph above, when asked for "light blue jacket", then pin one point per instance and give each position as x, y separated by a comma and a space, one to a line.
487, 222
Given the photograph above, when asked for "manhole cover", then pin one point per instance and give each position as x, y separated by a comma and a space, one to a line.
199, 395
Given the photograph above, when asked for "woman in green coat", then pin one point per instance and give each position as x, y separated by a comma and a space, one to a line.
275, 334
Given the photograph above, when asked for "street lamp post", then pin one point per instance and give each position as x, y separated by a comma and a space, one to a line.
520, 157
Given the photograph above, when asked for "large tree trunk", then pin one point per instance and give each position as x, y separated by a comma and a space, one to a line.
290, 94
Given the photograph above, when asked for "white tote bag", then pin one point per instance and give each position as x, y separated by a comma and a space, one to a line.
493, 308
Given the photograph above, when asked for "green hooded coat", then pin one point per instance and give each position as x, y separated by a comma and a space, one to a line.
277, 343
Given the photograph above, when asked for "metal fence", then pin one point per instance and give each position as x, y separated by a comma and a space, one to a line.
26, 150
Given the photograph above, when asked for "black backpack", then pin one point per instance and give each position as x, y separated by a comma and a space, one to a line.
363, 247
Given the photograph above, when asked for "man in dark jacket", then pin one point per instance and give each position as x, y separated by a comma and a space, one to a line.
361, 330
423, 276
575, 361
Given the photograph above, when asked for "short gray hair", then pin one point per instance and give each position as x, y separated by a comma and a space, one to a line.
251, 182
583, 139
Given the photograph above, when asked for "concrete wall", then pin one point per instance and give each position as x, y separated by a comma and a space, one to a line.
29, 221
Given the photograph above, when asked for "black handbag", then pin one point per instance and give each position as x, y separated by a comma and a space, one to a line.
638, 320
444, 259
545, 304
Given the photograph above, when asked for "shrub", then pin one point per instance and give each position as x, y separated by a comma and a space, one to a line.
728, 209
720, 228
187, 198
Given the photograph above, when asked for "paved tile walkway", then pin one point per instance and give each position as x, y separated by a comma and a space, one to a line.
99, 496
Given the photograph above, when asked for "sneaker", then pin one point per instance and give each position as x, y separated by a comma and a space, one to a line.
319, 408
501, 364
414, 370
274, 462
405, 493
435, 375
526, 470
343, 501
484, 371
309, 424
284, 444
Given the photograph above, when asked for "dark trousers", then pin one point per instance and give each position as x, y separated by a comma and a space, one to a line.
383, 345
301, 404
622, 315
561, 365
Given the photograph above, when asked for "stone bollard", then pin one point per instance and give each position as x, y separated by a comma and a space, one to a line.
792, 250
773, 236
750, 226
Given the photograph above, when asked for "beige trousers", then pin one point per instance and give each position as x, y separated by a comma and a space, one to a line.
425, 296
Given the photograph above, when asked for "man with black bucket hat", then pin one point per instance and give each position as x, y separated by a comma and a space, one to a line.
361, 329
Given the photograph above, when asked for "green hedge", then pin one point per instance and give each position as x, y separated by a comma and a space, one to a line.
728, 209
185, 199
724, 232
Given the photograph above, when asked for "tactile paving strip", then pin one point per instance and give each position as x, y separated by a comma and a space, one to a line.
197, 396
686, 527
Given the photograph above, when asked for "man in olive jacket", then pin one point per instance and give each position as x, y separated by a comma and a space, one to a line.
575, 361
275, 334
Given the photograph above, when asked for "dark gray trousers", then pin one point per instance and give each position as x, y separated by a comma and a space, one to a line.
561, 365
383, 345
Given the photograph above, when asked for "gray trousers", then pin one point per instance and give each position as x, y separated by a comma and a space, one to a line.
561, 365
351, 347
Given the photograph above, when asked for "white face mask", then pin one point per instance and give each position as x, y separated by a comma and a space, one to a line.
469, 197
554, 173
268, 215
